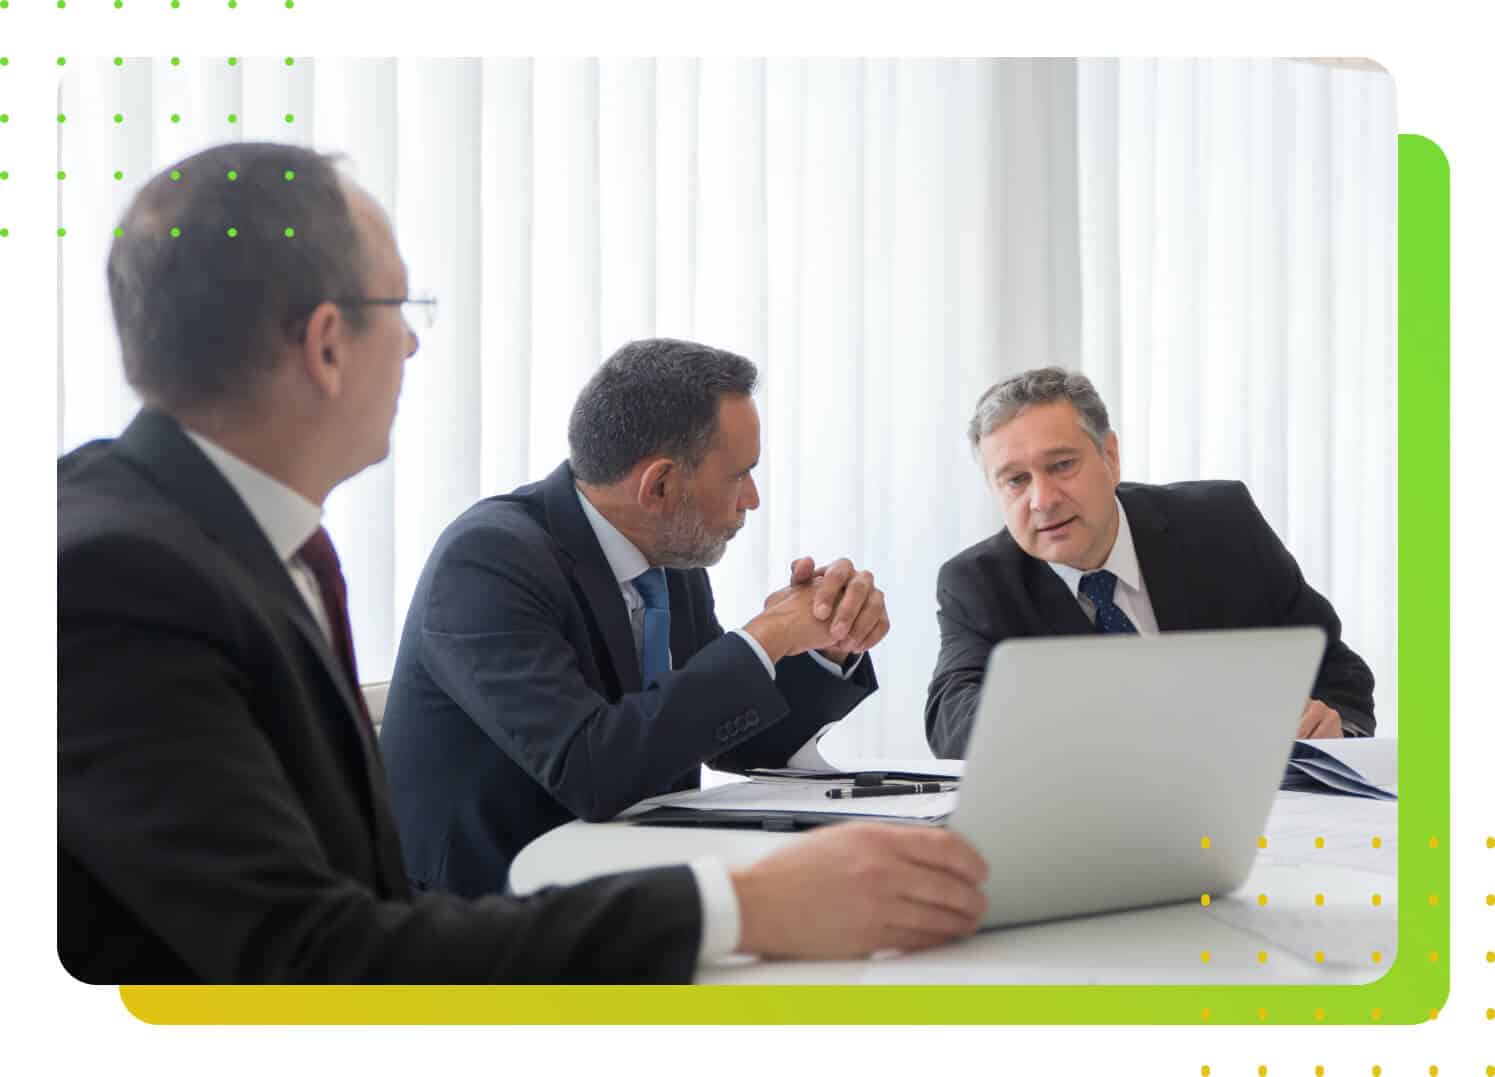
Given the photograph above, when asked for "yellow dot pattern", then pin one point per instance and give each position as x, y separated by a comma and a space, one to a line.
1204, 900
1204, 843
1318, 843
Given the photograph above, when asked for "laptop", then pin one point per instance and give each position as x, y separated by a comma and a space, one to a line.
1111, 772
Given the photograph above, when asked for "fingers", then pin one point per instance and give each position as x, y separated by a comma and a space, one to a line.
941, 850
801, 571
828, 591
1319, 720
870, 625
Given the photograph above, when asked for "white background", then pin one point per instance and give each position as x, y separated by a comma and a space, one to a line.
55, 1024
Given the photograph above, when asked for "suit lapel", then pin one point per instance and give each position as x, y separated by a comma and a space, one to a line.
1157, 557
1058, 610
156, 444
594, 577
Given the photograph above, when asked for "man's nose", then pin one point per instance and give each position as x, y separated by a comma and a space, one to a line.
1043, 494
749, 499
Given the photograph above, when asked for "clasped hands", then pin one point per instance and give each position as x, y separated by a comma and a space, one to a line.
835, 609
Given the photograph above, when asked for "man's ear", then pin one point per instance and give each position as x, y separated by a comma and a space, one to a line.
321, 350
656, 484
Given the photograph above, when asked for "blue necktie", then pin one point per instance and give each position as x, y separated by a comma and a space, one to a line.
1100, 588
655, 591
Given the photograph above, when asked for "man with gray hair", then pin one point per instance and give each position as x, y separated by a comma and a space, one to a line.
562, 656
1085, 552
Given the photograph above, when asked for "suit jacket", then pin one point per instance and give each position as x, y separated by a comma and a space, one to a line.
516, 703
1210, 561
222, 814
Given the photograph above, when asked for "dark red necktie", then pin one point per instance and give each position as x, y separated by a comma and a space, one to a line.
319, 556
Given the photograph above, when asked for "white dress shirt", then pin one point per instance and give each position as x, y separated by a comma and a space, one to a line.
286, 518
1131, 588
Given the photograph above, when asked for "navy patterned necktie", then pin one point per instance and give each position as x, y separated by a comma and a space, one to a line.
1100, 588
655, 591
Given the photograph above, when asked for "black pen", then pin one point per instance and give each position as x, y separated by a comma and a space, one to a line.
888, 790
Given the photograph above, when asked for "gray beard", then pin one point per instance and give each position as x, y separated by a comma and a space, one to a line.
686, 542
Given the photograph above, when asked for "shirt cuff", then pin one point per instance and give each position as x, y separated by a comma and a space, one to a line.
757, 650
843, 672
721, 919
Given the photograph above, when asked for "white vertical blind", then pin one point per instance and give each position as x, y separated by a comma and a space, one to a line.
1212, 241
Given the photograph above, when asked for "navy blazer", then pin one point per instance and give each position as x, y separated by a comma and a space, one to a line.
1210, 560
221, 809
517, 705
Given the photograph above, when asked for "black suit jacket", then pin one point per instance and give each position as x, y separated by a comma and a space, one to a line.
221, 812
1209, 560
516, 703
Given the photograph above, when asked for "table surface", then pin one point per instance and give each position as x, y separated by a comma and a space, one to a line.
1302, 941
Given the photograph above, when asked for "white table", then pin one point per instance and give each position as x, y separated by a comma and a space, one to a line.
1146, 946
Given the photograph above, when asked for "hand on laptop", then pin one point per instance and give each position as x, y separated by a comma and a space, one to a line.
855, 888
1319, 720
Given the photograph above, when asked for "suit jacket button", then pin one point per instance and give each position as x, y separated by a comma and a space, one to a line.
722, 734
752, 718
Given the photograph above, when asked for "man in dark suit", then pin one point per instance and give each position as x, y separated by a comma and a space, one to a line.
562, 658
1084, 552
222, 809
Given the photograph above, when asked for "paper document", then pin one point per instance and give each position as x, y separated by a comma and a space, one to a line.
1313, 769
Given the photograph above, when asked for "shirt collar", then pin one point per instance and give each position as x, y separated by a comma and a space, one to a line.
623, 557
1122, 562
286, 518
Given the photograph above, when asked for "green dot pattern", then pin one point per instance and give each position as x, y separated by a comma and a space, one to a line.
232, 175
119, 61
62, 61
4, 117
61, 232
176, 118
290, 117
4, 231
62, 117
175, 174
290, 175
61, 174
119, 175
233, 61
290, 61
175, 232
232, 232
119, 231
119, 118
176, 61
4, 175
290, 233
233, 117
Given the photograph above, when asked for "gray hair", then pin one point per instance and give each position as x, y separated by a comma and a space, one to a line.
1001, 403
653, 396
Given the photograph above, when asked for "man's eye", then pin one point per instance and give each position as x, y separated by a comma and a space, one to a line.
1016, 481
1063, 465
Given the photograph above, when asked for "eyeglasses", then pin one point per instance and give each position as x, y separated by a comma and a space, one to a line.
419, 312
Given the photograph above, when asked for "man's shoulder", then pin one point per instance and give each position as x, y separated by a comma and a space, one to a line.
994, 556
1201, 500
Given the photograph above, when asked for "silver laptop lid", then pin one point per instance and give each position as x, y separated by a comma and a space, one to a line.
1098, 765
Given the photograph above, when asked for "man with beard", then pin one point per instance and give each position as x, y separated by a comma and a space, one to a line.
562, 657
